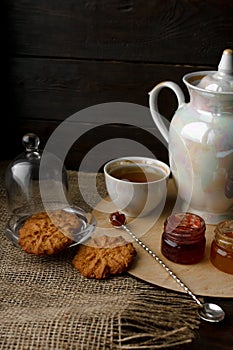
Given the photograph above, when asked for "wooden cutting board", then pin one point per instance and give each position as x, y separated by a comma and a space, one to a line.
203, 278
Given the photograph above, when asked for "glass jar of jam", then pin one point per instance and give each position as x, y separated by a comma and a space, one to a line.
183, 240
221, 252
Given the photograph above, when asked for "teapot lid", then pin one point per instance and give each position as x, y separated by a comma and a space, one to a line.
222, 79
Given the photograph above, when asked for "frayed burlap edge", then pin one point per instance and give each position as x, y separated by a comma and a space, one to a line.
46, 304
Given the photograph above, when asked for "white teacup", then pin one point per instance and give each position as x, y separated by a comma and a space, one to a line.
137, 185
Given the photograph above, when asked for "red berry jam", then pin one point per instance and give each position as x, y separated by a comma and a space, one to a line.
117, 219
183, 239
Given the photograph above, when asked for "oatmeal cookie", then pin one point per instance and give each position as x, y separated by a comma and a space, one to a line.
44, 234
104, 256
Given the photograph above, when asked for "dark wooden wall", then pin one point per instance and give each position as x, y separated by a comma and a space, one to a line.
61, 56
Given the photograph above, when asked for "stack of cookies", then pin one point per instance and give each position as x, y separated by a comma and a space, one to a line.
100, 257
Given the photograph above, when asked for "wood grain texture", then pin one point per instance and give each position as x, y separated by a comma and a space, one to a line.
48, 91
63, 56
161, 31
83, 147
53, 89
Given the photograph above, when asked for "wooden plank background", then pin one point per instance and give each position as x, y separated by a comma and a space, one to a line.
63, 56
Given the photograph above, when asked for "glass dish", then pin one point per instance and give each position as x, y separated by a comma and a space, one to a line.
88, 224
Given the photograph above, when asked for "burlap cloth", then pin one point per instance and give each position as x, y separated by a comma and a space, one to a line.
46, 304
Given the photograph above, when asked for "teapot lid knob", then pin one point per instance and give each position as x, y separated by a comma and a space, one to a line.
222, 79
226, 63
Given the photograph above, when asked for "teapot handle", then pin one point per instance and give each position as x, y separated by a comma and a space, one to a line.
153, 103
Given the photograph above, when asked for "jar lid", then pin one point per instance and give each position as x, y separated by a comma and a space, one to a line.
184, 227
225, 228
222, 79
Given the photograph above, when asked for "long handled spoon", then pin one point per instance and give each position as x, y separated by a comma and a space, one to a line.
208, 311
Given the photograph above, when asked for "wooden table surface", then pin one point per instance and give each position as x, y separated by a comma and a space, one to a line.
217, 336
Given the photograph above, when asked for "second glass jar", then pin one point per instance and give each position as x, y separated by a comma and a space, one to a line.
221, 253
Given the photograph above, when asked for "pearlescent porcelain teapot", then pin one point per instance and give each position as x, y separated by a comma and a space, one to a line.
200, 140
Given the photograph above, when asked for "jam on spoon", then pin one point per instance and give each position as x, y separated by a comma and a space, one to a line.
208, 311
117, 219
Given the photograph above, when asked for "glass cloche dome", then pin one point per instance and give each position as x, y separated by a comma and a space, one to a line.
23, 180
30, 190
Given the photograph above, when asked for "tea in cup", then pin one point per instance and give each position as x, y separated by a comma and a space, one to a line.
137, 185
